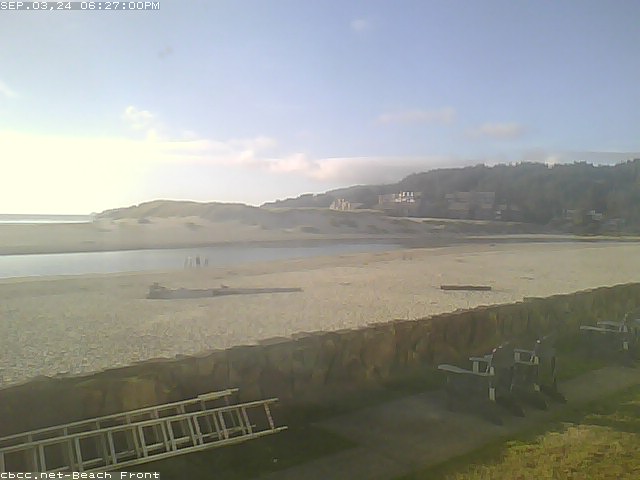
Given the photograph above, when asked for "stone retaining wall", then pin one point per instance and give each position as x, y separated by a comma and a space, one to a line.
309, 367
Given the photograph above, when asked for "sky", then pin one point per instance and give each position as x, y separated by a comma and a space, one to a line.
252, 101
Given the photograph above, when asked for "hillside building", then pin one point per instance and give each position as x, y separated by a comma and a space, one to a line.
403, 204
344, 205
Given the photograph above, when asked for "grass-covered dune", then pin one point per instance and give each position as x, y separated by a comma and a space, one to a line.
174, 224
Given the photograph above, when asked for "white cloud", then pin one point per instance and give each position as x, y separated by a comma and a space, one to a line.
361, 25
6, 91
349, 170
145, 122
499, 131
444, 115
138, 119
294, 163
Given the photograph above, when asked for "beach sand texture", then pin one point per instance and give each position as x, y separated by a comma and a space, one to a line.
89, 323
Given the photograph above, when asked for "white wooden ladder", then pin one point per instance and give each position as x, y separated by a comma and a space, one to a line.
139, 436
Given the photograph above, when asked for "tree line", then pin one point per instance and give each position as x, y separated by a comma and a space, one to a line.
580, 195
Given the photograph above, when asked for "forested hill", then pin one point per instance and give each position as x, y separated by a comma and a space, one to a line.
542, 194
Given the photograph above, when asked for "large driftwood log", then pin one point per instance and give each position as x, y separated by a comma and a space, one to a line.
482, 288
159, 292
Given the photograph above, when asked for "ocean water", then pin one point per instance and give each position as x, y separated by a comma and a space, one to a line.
16, 219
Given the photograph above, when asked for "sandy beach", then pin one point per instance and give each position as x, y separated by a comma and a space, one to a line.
87, 323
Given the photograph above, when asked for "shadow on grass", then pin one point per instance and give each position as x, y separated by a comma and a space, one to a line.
401, 386
253, 458
301, 443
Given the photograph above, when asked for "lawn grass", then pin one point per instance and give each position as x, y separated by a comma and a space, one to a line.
573, 360
599, 440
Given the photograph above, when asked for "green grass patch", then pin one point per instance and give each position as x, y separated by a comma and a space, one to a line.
255, 457
597, 440
572, 360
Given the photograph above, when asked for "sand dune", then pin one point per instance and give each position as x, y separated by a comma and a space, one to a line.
88, 323
263, 226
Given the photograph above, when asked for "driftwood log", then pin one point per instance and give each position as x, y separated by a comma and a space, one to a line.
159, 292
481, 288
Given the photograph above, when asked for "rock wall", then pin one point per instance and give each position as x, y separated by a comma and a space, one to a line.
309, 367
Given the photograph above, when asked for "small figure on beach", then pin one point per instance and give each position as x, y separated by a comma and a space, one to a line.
198, 261
206, 261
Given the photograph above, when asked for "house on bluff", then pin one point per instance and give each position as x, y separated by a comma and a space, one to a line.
403, 204
344, 205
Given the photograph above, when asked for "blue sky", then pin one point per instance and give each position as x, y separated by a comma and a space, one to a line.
250, 101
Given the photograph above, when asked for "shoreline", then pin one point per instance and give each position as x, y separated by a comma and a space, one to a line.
293, 242
408, 242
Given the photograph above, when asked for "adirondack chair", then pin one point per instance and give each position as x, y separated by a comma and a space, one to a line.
615, 340
489, 382
535, 373
632, 320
